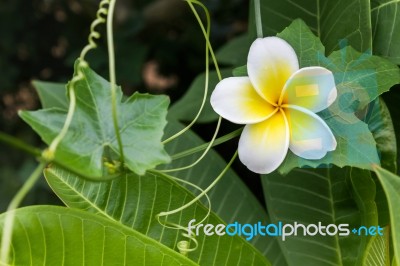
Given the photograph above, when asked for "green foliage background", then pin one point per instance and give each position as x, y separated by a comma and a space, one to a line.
351, 189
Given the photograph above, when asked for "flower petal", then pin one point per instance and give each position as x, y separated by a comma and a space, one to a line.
310, 136
263, 146
236, 100
310, 87
270, 63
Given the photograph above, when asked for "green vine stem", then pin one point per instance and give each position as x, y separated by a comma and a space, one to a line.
209, 50
204, 192
10, 214
19, 144
113, 79
196, 14
29, 149
204, 146
184, 245
209, 146
257, 13
49, 153
207, 72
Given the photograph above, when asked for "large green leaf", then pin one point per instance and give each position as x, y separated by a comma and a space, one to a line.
309, 196
48, 235
91, 136
330, 20
381, 126
391, 185
134, 201
386, 28
186, 108
224, 196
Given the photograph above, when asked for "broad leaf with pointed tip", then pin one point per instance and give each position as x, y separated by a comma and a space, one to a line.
91, 136
134, 201
49, 235
391, 185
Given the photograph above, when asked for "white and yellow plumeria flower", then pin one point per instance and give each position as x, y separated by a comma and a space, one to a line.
277, 102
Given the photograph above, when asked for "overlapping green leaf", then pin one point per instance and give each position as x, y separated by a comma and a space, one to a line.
134, 201
391, 185
310, 196
386, 29
91, 136
380, 123
331, 21
48, 235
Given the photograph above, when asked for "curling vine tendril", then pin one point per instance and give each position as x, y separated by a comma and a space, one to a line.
184, 245
101, 17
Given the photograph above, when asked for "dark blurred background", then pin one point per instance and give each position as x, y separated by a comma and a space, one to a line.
159, 49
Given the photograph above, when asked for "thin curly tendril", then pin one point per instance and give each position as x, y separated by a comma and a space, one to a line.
101, 16
209, 50
184, 245
104, 13
49, 153
113, 78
